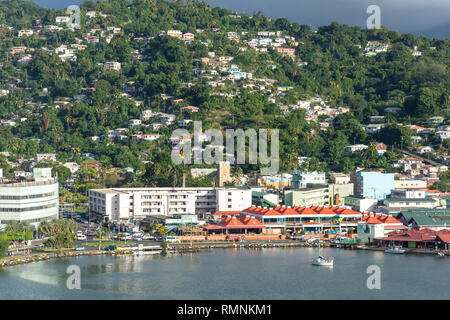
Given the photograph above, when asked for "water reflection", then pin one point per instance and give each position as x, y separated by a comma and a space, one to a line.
268, 273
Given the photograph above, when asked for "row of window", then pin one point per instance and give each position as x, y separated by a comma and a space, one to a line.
30, 220
30, 196
28, 208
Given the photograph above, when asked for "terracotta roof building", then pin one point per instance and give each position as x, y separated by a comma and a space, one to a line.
279, 218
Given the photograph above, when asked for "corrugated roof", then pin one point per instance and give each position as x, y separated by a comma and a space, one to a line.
430, 217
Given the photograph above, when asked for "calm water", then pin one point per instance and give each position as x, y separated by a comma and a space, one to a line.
271, 273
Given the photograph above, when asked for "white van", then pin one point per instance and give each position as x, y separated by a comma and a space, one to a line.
172, 239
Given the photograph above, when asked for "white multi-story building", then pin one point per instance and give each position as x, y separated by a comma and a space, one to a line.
410, 184
33, 201
137, 203
62, 19
174, 33
360, 204
302, 179
113, 65
233, 199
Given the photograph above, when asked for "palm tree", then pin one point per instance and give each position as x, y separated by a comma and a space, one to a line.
44, 227
13, 226
101, 233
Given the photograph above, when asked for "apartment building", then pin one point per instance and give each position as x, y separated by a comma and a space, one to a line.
137, 203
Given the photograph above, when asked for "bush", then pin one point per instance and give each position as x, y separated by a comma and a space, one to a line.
4, 245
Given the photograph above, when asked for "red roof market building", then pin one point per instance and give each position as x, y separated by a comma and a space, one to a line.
413, 238
236, 225
219, 214
389, 222
315, 218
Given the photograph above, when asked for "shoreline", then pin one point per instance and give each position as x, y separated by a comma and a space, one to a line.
186, 248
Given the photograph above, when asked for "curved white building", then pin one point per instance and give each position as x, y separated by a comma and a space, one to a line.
32, 201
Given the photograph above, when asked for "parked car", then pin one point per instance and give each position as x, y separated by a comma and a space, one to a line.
80, 248
312, 240
148, 237
172, 239
110, 248
81, 237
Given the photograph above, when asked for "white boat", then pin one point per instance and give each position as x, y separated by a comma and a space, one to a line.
142, 253
394, 250
321, 261
440, 254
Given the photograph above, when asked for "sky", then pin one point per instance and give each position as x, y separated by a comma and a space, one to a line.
419, 17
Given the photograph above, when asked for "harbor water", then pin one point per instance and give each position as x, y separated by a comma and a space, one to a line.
268, 273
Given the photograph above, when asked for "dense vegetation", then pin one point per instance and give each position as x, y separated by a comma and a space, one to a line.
337, 70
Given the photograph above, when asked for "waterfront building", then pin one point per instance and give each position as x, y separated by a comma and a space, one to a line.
33, 200
232, 224
412, 238
374, 226
171, 222
282, 219
372, 184
435, 219
137, 203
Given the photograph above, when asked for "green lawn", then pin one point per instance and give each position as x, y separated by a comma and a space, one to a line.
111, 243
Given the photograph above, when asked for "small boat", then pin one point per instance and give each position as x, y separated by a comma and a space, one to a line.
440, 254
394, 250
321, 261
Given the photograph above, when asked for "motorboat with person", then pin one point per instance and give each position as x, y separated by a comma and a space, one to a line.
395, 250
